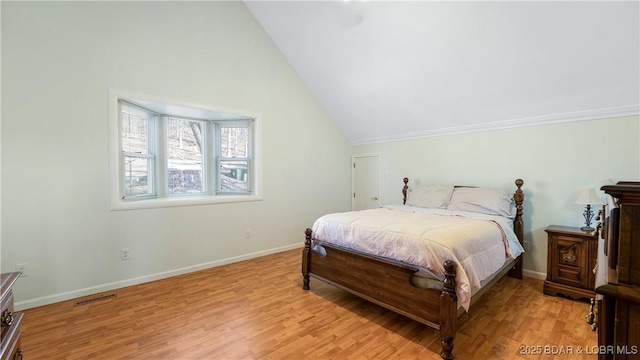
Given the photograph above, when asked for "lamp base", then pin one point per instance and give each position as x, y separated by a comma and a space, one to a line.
588, 215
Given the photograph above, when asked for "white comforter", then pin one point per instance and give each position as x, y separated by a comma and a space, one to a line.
479, 244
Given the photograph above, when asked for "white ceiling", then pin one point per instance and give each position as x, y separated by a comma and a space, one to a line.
388, 70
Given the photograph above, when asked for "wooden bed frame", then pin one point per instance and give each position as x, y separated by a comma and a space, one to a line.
387, 282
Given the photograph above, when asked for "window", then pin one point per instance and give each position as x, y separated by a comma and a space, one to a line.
168, 154
137, 151
233, 160
185, 156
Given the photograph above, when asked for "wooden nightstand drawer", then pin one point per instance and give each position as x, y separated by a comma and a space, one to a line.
570, 262
569, 275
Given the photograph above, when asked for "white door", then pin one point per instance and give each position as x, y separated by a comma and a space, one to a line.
366, 182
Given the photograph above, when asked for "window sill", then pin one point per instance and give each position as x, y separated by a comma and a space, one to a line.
182, 201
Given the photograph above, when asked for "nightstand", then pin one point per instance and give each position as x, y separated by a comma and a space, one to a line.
571, 260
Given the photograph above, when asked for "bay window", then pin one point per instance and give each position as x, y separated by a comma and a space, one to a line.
167, 154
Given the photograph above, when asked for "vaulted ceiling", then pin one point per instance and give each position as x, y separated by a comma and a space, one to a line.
387, 70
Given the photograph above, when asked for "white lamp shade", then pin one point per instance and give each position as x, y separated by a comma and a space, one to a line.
588, 197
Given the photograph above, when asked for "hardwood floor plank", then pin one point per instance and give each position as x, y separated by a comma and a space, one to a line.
256, 309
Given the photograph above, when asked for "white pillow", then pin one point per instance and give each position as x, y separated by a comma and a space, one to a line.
482, 200
430, 196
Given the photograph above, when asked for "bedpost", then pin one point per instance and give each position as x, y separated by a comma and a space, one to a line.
404, 191
306, 259
448, 310
518, 227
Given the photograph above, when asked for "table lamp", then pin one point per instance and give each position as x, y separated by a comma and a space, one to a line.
588, 197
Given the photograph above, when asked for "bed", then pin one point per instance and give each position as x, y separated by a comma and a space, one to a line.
440, 284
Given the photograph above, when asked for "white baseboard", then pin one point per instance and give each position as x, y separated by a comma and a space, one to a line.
534, 274
50, 299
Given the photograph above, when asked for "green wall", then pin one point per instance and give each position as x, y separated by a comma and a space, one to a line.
555, 161
59, 60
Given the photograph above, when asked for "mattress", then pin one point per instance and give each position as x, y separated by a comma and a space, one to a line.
478, 243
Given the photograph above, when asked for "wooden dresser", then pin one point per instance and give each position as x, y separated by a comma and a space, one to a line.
618, 275
10, 321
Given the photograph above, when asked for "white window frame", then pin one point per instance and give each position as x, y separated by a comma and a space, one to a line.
150, 156
206, 167
213, 118
219, 158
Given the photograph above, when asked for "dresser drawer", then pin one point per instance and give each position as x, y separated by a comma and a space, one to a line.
11, 341
7, 280
10, 334
6, 301
6, 316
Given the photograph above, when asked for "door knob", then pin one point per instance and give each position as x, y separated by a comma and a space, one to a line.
374, 198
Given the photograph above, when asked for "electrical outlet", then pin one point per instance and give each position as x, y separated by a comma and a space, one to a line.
124, 254
247, 234
527, 245
22, 268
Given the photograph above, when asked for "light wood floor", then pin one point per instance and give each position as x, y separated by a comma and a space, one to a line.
256, 309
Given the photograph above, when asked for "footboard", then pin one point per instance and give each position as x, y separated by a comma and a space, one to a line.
387, 283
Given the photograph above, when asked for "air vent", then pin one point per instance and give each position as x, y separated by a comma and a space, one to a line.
99, 298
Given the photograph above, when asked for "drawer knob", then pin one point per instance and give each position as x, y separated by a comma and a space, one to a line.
7, 318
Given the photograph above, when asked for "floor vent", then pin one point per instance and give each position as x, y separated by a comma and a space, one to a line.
99, 298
